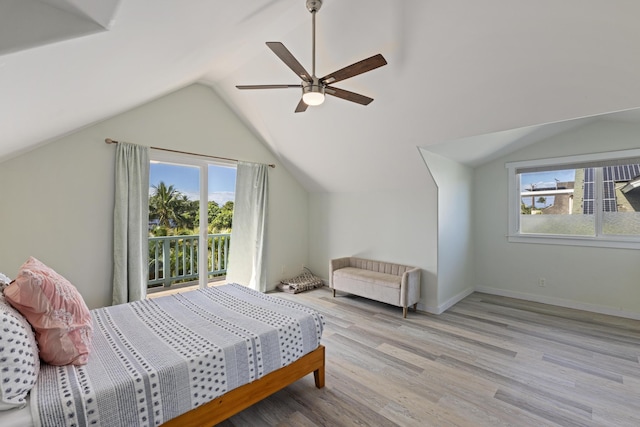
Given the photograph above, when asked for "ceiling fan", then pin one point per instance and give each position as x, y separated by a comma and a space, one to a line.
314, 88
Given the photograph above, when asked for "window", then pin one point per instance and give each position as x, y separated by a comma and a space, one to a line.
590, 200
190, 211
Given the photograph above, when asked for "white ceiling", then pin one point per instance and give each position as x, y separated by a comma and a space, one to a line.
457, 69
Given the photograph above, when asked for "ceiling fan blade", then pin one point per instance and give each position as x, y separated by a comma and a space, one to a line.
302, 107
267, 86
286, 57
354, 69
349, 96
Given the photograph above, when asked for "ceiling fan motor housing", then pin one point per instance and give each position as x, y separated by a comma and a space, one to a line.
314, 5
313, 92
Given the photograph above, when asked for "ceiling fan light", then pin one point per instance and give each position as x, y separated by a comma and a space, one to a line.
313, 98
312, 92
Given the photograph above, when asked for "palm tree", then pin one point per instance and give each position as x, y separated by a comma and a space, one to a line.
166, 205
542, 200
187, 217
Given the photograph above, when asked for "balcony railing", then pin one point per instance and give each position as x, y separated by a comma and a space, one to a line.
174, 259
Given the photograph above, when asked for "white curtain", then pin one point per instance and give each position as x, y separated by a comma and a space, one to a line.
246, 258
130, 223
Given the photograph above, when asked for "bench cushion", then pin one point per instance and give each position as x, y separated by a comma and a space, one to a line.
379, 279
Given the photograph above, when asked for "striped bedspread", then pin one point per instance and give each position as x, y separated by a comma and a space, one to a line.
155, 359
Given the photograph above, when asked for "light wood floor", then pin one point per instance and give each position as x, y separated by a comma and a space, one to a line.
487, 361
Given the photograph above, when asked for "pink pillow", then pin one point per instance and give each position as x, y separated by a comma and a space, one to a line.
56, 310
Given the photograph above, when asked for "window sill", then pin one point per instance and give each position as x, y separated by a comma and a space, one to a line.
600, 242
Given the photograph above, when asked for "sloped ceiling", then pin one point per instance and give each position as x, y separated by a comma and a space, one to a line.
25, 24
457, 69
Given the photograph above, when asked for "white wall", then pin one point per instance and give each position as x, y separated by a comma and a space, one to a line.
57, 200
395, 226
454, 182
57, 204
598, 279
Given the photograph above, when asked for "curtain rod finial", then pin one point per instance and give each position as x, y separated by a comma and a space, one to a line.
110, 141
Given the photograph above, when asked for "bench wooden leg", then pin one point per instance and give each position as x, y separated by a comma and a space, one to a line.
415, 307
334, 293
404, 312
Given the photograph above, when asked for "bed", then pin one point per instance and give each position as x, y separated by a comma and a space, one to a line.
189, 359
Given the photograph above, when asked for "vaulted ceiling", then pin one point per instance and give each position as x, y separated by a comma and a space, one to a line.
456, 69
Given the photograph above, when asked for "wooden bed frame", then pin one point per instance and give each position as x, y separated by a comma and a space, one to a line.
236, 400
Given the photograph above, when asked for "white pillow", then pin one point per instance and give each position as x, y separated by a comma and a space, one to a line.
4, 281
19, 359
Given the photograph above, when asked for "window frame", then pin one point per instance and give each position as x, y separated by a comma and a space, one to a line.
184, 159
577, 161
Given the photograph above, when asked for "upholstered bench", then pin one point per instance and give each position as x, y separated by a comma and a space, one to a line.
386, 282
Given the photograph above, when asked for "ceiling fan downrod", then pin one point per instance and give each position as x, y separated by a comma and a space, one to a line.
313, 91
313, 6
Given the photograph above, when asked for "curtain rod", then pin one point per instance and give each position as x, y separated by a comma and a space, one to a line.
111, 141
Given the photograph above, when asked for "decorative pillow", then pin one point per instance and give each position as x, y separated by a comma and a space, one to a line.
4, 282
19, 361
56, 310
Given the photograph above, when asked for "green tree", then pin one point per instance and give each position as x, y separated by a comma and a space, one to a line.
542, 200
166, 205
214, 210
223, 220
189, 212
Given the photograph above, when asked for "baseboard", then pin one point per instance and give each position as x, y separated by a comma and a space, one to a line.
441, 308
560, 302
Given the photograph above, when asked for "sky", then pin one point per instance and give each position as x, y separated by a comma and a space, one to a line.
546, 179
222, 180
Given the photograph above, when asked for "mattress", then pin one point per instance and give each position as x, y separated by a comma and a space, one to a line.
155, 359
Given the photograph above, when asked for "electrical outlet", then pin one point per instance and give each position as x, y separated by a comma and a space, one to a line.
542, 282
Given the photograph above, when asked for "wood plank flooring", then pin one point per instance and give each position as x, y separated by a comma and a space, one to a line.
487, 361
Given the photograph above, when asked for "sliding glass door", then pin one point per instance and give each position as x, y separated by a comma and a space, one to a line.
190, 220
